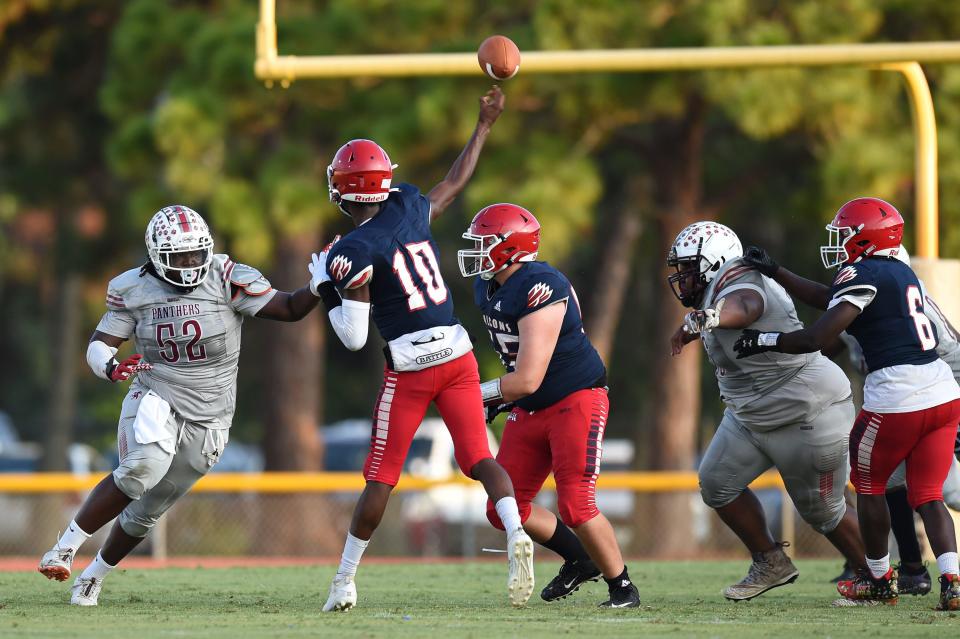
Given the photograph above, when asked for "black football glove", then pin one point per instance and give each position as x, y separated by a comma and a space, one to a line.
495, 409
752, 342
761, 260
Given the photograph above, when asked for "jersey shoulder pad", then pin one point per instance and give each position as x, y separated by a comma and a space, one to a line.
349, 265
853, 276
122, 291
543, 286
413, 200
407, 190
247, 278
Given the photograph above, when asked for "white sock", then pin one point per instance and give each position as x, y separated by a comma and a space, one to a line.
352, 552
73, 537
509, 514
948, 564
98, 569
879, 567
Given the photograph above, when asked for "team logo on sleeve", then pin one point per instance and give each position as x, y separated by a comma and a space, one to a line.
538, 294
846, 274
340, 267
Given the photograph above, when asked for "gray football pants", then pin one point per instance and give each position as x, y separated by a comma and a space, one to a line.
157, 474
811, 457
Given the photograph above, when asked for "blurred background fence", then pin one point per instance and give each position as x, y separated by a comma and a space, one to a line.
305, 514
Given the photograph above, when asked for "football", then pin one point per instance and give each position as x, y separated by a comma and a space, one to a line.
499, 57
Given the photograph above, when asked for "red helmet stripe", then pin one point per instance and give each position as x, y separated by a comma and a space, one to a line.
184, 222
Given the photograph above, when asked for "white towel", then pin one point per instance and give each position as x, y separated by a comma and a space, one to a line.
153, 424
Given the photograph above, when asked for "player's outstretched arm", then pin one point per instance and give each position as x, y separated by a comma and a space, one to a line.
820, 335
807, 291
539, 332
289, 307
443, 194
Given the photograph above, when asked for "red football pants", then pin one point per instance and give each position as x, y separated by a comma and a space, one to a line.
925, 438
400, 408
566, 438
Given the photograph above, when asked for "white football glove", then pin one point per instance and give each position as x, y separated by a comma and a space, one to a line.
698, 322
318, 267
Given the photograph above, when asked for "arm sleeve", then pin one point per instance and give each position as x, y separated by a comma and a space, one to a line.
249, 290
540, 292
854, 284
349, 266
351, 322
118, 320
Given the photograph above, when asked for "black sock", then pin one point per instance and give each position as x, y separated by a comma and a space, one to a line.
901, 521
566, 544
616, 581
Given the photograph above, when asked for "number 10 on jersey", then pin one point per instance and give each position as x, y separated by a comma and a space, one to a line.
424, 261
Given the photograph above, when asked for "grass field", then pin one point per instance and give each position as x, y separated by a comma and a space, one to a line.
680, 599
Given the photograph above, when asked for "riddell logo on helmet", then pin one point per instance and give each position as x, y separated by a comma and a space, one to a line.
368, 198
340, 267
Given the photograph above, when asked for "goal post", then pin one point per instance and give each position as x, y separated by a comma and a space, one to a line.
900, 57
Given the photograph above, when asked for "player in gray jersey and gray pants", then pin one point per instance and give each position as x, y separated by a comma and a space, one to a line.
183, 309
792, 412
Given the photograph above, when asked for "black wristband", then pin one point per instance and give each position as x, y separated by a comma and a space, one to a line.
329, 296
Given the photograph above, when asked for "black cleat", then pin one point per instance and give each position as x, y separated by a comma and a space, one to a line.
623, 595
571, 576
913, 583
848, 574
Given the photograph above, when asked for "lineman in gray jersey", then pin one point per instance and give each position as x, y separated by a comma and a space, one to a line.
792, 412
183, 309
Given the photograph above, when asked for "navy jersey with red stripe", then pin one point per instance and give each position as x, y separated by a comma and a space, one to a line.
892, 328
395, 254
575, 363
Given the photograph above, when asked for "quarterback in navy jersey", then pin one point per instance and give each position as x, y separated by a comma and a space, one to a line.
390, 262
911, 402
556, 387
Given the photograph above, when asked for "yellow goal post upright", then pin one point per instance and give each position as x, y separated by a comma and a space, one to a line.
941, 276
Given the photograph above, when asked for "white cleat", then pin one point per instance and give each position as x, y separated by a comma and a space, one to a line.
520, 581
85, 592
343, 595
56, 563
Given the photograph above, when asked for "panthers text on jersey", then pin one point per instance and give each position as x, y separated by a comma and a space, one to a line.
898, 340
574, 365
191, 339
394, 253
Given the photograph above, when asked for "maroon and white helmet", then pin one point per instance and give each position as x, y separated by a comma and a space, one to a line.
697, 255
179, 229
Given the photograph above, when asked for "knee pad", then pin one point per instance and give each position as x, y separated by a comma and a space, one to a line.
577, 509
822, 511
135, 526
920, 496
825, 520
715, 493
136, 475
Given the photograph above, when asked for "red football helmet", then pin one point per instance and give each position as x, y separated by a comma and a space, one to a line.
503, 234
862, 227
361, 171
